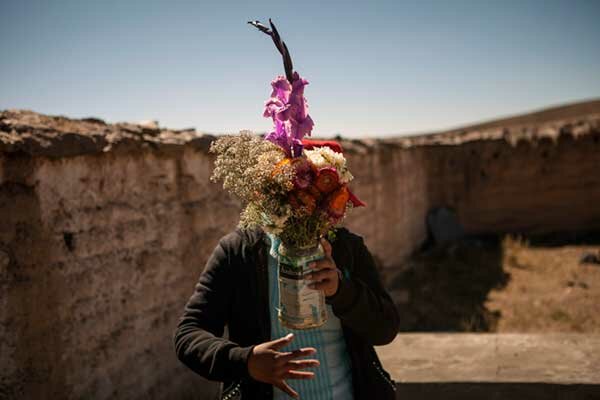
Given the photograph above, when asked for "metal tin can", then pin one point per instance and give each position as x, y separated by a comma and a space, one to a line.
300, 307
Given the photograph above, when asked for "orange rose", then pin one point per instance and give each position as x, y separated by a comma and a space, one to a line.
327, 180
338, 201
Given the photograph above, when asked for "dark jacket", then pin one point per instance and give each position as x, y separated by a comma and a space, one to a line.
233, 290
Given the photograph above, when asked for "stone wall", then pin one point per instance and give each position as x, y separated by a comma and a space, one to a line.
104, 230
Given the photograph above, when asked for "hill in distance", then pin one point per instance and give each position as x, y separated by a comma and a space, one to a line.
516, 126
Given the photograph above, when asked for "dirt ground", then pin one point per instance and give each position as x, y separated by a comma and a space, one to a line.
498, 284
548, 289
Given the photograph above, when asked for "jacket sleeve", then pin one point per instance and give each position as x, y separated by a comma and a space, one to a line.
197, 338
361, 302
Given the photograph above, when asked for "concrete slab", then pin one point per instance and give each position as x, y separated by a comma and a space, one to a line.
494, 366
535, 358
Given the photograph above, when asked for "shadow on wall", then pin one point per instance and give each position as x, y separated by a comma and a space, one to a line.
444, 286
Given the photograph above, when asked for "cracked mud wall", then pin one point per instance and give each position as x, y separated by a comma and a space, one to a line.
99, 255
393, 182
104, 230
541, 185
544, 186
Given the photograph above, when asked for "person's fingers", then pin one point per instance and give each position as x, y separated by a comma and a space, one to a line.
281, 342
323, 285
286, 388
326, 246
299, 375
321, 275
321, 265
283, 358
302, 364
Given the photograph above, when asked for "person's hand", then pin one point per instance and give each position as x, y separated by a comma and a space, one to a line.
325, 276
267, 364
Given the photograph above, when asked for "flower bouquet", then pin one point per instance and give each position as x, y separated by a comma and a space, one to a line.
294, 188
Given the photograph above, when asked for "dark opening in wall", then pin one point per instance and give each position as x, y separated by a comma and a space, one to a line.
68, 237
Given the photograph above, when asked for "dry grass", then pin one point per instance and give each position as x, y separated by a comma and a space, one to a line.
548, 290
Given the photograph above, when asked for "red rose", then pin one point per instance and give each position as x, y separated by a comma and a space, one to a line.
327, 180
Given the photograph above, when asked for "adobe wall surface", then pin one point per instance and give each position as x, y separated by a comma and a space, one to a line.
550, 184
104, 230
98, 254
526, 179
394, 184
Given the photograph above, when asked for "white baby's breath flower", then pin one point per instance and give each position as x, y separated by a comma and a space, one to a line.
322, 157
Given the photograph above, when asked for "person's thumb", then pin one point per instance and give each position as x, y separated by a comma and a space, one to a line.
281, 342
326, 246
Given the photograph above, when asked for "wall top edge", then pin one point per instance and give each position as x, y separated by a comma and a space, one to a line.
24, 132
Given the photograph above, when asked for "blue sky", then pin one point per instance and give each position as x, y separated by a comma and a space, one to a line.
375, 68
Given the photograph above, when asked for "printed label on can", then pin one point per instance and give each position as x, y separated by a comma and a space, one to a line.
300, 306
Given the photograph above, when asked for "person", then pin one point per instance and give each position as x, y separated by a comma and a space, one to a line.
260, 359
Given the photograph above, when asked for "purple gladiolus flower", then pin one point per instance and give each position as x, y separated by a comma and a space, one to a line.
297, 148
283, 113
301, 129
271, 107
280, 137
281, 88
297, 99
289, 110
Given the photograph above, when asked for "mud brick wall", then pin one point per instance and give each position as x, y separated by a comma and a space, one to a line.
98, 254
527, 179
105, 228
547, 185
393, 182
